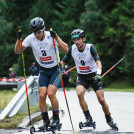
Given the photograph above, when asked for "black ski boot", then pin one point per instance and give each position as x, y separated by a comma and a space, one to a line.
111, 123
55, 125
45, 125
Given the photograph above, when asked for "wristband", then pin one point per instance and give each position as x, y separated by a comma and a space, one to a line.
98, 71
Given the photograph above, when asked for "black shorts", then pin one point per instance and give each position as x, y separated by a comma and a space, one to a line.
87, 79
50, 76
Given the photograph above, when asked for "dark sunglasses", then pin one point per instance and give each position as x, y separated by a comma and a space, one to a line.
38, 32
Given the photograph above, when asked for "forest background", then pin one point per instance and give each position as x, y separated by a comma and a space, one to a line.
109, 26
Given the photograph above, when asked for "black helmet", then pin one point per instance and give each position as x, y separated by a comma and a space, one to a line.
77, 33
36, 24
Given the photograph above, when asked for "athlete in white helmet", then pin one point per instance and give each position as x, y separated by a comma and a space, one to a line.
41, 42
89, 68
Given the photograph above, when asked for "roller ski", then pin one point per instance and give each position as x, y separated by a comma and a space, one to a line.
43, 128
47, 129
111, 123
89, 123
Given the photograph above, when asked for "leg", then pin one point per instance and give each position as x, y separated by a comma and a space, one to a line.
42, 98
55, 105
43, 83
52, 96
43, 107
81, 92
101, 99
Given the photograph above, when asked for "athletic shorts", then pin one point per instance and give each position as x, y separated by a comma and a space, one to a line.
50, 76
87, 80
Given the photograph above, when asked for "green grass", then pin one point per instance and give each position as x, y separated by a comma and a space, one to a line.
120, 90
5, 97
12, 122
115, 89
118, 86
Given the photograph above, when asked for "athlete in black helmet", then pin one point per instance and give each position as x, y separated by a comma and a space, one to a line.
41, 42
89, 68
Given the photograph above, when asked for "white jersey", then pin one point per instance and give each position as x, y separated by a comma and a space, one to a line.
43, 51
84, 61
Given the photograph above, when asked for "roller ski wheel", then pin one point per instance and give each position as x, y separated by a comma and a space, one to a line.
80, 125
32, 130
92, 124
56, 128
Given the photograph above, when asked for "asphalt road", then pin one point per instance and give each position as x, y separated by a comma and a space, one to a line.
121, 105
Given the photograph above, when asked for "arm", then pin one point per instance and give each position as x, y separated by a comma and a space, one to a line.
63, 64
62, 44
99, 67
67, 57
97, 59
18, 49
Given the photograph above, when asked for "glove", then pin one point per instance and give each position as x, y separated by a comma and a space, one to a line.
97, 78
53, 34
19, 34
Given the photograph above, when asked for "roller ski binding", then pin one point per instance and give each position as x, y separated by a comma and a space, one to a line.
45, 126
55, 125
89, 123
112, 124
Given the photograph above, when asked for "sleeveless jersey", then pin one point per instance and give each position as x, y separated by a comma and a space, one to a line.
43, 51
84, 61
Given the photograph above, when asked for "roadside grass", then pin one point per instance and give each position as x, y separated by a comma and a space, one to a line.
118, 86
113, 89
5, 97
12, 122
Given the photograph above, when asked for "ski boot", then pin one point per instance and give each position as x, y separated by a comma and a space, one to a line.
55, 125
45, 126
110, 122
89, 123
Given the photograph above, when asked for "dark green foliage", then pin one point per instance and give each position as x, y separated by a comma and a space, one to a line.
109, 25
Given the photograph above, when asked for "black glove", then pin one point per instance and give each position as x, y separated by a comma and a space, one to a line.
53, 34
19, 34
97, 78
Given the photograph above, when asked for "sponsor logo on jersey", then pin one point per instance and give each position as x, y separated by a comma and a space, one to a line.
87, 48
84, 68
48, 37
50, 62
81, 56
46, 58
89, 71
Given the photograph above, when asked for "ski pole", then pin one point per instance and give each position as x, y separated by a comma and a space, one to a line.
69, 70
62, 84
23, 62
113, 67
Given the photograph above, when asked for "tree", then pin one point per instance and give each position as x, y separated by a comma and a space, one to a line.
109, 26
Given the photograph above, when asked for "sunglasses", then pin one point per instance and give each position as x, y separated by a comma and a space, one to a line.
38, 32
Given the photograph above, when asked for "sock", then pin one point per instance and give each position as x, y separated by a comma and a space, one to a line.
56, 115
45, 116
87, 113
108, 117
